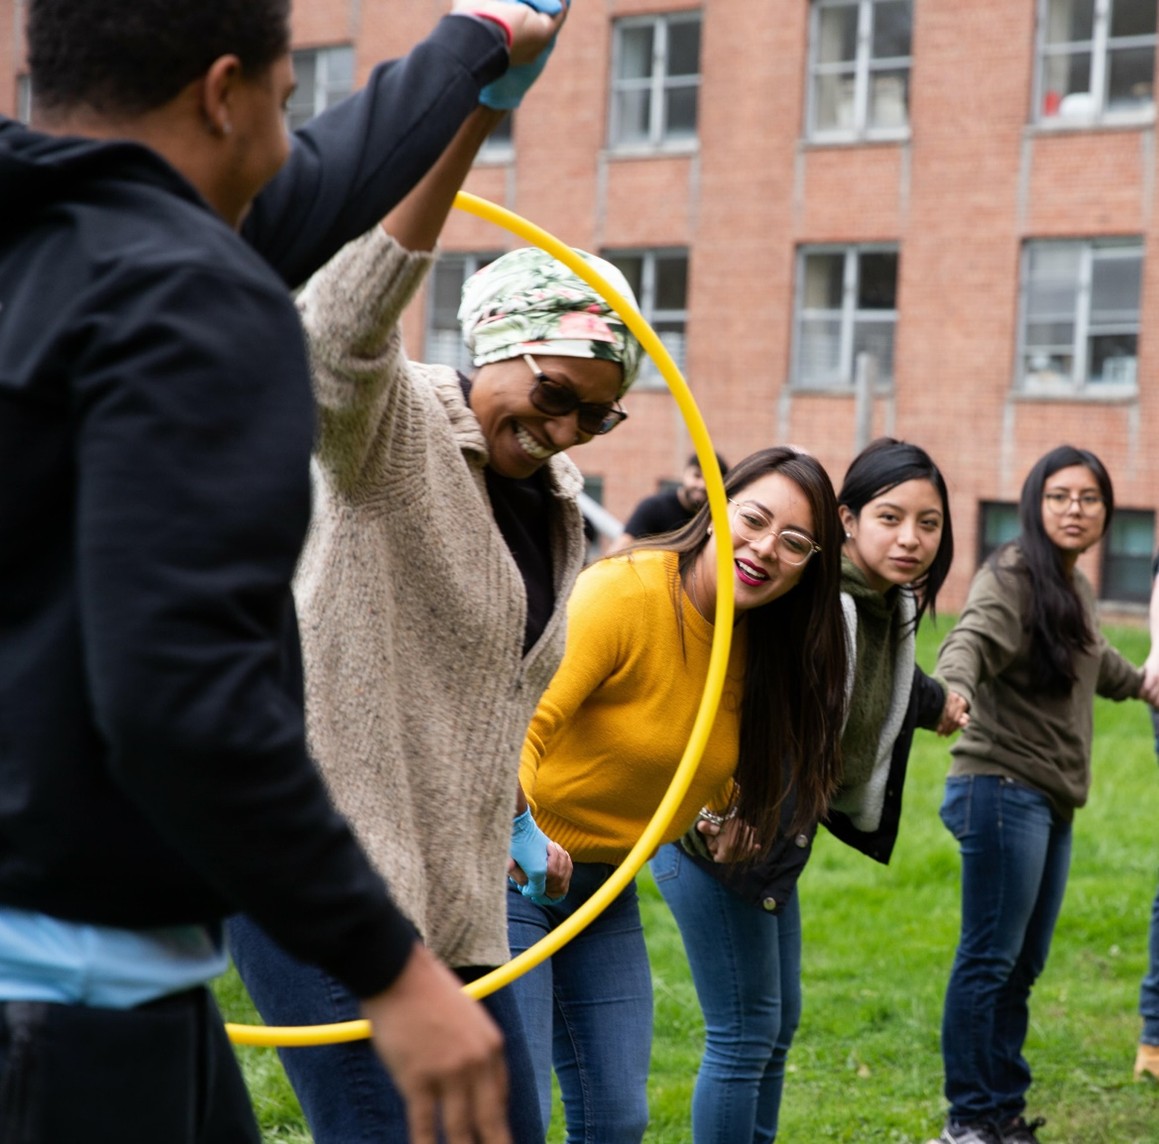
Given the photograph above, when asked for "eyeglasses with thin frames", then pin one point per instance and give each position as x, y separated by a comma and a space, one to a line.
752, 525
556, 399
1059, 502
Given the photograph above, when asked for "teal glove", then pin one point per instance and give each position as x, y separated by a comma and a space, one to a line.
529, 849
507, 92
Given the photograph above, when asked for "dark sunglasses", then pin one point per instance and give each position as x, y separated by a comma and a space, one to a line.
556, 399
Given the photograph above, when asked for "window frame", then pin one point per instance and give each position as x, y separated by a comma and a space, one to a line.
24, 97
657, 83
846, 380
1079, 383
650, 377
1097, 114
863, 66
326, 92
1003, 514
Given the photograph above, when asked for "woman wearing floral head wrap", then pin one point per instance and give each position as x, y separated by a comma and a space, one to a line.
432, 591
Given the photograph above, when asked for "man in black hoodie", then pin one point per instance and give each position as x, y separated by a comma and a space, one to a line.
155, 430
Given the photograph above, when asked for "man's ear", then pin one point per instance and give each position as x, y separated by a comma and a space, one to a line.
217, 90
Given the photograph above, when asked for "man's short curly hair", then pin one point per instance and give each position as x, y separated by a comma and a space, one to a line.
127, 57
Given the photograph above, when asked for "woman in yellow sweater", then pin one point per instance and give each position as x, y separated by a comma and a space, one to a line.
611, 728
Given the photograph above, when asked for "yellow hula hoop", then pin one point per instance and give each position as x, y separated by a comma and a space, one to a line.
303, 1035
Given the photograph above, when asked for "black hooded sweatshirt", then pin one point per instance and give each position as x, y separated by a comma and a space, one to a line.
156, 421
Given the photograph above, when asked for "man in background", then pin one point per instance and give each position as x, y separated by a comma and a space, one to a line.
671, 508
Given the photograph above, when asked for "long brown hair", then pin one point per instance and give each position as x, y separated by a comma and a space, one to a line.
794, 690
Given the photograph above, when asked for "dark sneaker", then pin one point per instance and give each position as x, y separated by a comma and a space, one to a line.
1017, 1131
968, 1134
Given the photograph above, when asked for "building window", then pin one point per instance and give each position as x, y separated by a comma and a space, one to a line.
1080, 315
859, 65
24, 98
1096, 60
655, 80
1127, 551
846, 306
324, 76
659, 279
444, 338
997, 523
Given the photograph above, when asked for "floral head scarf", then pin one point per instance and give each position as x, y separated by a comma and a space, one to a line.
528, 301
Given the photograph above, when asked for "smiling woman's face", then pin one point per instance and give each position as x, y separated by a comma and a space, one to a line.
519, 437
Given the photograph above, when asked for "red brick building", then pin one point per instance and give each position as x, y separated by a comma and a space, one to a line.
964, 192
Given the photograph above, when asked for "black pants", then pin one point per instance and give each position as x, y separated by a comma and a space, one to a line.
163, 1073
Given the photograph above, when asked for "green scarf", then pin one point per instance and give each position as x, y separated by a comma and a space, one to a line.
877, 636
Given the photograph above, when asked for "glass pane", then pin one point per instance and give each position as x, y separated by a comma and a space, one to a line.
684, 47
446, 288
672, 335
1068, 21
1053, 273
682, 103
877, 281
1115, 287
824, 274
635, 58
875, 337
889, 99
634, 114
819, 352
1063, 76
1133, 17
1047, 336
631, 266
301, 106
834, 103
340, 70
837, 35
1132, 534
671, 283
1130, 77
999, 524
892, 28
1048, 370
1111, 359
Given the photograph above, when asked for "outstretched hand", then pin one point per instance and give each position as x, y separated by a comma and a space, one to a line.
955, 714
443, 1052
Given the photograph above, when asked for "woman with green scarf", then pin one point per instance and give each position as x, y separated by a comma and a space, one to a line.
741, 922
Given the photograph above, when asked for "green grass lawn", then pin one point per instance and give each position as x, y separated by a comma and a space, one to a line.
878, 942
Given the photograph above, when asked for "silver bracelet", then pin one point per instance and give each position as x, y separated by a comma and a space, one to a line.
716, 819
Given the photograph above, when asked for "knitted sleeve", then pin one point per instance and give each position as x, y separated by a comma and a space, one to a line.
362, 386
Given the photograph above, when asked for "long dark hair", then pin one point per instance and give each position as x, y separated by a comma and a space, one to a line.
883, 465
1058, 622
794, 689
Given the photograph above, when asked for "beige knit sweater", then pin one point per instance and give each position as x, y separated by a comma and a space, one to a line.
412, 609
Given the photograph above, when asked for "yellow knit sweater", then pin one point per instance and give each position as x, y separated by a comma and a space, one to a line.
612, 726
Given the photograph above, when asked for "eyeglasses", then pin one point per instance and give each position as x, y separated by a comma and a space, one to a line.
791, 546
558, 400
1059, 502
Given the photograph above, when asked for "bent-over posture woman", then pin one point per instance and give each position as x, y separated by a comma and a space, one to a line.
611, 728
741, 926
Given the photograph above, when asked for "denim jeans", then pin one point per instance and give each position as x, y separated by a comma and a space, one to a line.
1015, 859
588, 1010
746, 965
1149, 992
162, 1071
346, 1094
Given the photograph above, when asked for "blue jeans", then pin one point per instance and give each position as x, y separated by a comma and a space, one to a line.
1149, 992
588, 1010
346, 1094
746, 965
1015, 860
